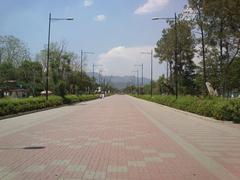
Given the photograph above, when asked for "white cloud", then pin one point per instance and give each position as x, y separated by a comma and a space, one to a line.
120, 61
151, 6
88, 3
100, 18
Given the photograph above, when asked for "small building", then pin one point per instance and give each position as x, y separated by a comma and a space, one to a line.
10, 88
15, 93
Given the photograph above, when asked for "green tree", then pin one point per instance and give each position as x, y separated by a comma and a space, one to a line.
185, 66
218, 22
7, 72
31, 76
199, 22
64, 67
13, 50
223, 17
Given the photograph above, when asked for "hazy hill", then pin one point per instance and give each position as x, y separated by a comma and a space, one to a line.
120, 82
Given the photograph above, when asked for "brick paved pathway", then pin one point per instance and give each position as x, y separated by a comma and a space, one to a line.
119, 137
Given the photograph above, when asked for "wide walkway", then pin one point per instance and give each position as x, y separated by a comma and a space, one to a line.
119, 137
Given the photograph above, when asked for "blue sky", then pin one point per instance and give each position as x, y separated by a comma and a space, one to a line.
115, 30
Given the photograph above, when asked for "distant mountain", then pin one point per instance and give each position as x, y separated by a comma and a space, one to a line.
120, 82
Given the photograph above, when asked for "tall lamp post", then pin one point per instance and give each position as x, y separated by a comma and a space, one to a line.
151, 54
83, 53
50, 19
94, 65
141, 65
176, 48
137, 71
101, 78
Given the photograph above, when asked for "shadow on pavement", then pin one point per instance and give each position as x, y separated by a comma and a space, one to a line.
26, 148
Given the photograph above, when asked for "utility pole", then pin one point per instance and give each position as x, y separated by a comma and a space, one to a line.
93, 75
82, 54
176, 49
99, 77
141, 89
176, 58
142, 80
151, 73
137, 86
48, 53
81, 64
151, 54
50, 19
93, 71
93, 66
167, 71
138, 82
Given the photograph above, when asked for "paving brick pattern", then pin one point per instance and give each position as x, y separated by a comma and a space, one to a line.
113, 139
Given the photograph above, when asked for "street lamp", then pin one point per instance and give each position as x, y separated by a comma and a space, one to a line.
176, 49
101, 78
50, 19
137, 80
95, 65
141, 65
151, 54
82, 53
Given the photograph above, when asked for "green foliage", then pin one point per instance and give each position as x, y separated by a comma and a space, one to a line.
10, 106
62, 88
7, 72
66, 76
13, 50
87, 97
219, 108
208, 30
69, 99
219, 21
184, 67
30, 76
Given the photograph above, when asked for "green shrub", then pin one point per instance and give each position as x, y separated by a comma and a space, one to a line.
54, 101
69, 99
219, 108
87, 97
10, 106
62, 88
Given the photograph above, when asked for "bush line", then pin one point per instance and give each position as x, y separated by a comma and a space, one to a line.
11, 106
218, 108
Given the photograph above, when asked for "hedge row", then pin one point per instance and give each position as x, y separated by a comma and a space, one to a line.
69, 99
11, 106
219, 108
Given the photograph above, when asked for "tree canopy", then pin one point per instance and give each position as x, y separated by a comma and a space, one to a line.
208, 42
65, 74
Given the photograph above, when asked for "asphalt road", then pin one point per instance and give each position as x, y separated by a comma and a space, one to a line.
119, 137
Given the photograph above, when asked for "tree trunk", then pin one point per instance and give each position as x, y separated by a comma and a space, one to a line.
222, 71
203, 50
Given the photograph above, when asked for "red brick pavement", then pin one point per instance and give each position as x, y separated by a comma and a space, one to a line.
108, 139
